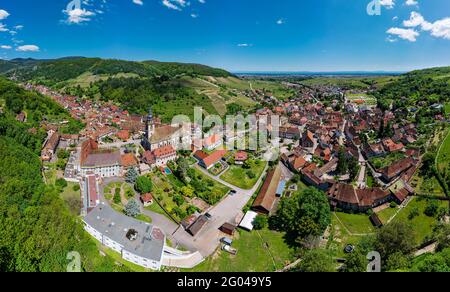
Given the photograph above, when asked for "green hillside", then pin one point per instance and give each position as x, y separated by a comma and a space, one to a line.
50, 72
37, 230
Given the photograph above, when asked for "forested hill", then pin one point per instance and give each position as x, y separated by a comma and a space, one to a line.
37, 229
58, 70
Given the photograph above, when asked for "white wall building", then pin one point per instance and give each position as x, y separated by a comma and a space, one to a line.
136, 241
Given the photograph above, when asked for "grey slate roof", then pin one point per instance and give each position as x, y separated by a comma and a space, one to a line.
102, 159
150, 240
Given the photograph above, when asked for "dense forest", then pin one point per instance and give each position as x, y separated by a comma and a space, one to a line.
36, 228
37, 107
51, 72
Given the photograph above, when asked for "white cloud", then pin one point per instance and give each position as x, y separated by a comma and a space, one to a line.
411, 3
389, 4
138, 2
245, 45
6, 47
78, 16
408, 34
175, 4
3, 28
3, 14
28, 48
439, 28
281, 21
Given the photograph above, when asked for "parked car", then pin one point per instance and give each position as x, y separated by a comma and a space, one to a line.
233, 192
229, 249
226, 240
208, 216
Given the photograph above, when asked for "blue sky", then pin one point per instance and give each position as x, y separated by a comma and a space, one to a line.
238, 35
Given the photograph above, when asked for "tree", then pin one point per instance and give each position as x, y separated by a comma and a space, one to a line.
117, 199
62, 154
438, 262
342, 167
132, 208
397, 262
355, 262
143, 185
187, 191
260, 222
305, 213
61, 183
317, 261
397, 236
131, 175
432, 208
183, 167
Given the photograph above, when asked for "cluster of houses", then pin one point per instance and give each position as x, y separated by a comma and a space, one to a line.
319, 133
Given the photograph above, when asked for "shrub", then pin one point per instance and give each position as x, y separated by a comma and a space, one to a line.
432, 208
413, 213
260, 222
132, 209
61, 183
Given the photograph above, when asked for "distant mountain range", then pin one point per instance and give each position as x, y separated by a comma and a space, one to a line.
57, 70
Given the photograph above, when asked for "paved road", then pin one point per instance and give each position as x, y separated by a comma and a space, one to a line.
208, 239
226, 211
170, 228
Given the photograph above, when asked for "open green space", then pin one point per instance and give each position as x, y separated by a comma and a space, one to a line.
382, 162
443, 156
423, 224
387, 214
72, 197
339, 237
243, 178
258, 251
356, 223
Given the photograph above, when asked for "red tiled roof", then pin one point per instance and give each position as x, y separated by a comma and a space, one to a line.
123, 135
128, 160
164, 151
214, 157
146, 198
241, 156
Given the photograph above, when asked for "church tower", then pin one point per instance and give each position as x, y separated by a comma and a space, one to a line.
150, 125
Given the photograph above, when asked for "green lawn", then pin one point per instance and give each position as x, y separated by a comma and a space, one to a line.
265, 252
72, 198
447, 108
381, 162
356, 223
339, 238
387, 214
238, 176
443, 157
156, 209
422, 224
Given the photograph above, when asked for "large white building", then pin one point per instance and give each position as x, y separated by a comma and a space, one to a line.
138, 242
102, 164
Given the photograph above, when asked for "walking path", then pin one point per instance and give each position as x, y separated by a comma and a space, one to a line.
208, 239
